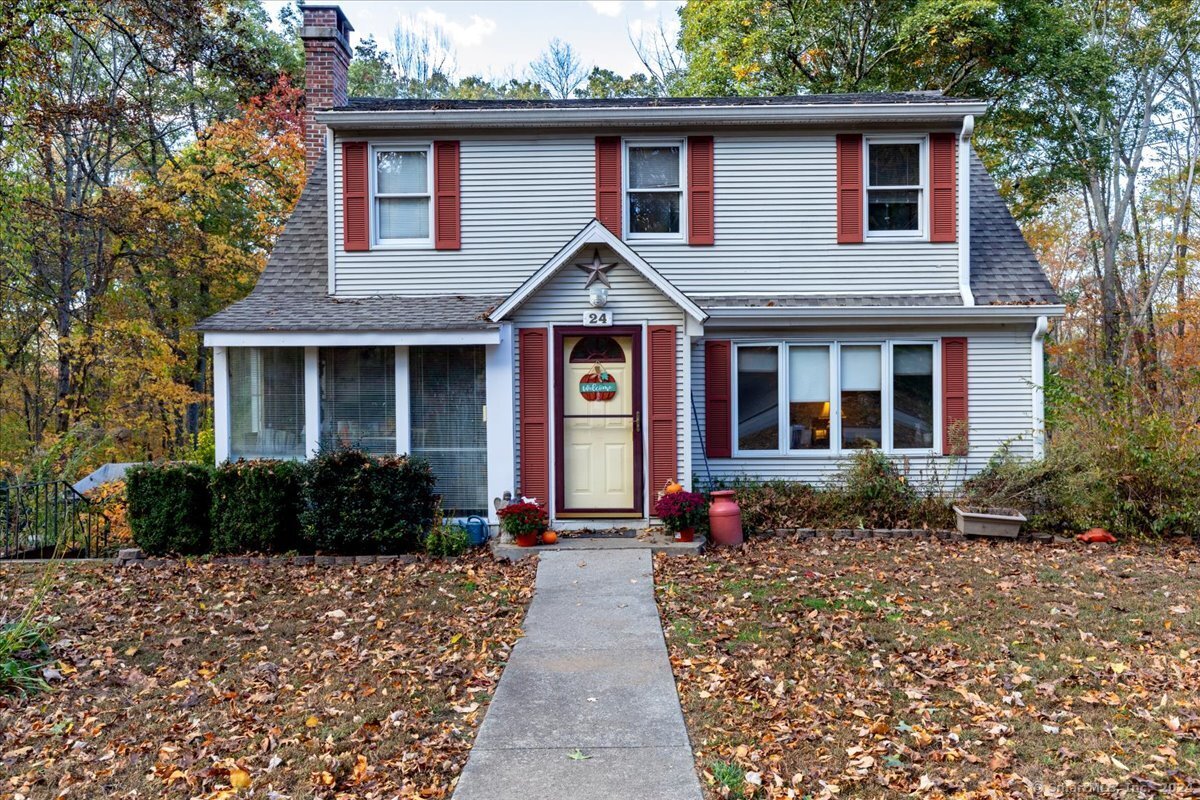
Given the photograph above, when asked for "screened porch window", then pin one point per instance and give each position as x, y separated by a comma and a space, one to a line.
358, 399
447, 396
266, 402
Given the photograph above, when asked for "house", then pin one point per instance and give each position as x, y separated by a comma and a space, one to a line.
581, 300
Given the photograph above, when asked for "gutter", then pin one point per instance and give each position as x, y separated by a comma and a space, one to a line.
713, 116
1038, 377
964, 210
875, 315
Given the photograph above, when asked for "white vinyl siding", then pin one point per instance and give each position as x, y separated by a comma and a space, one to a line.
523, 197
999, 406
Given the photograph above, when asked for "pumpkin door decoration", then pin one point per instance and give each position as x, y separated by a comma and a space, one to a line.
599, 384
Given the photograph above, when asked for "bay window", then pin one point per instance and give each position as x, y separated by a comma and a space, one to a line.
654, 189
402, 195
894, 187
825, 398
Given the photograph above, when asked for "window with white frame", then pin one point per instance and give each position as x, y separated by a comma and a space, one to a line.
654, 189
403, 207
894, 187
266, 402
829, 397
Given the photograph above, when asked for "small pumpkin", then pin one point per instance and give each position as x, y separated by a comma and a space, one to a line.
673, 487
549, 537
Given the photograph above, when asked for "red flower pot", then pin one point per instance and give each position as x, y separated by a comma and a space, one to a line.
725, 519
685, 535
526, 539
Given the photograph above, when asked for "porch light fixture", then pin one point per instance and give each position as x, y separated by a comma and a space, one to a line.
597, 295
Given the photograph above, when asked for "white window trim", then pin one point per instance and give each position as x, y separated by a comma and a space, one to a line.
400, 244
920, 234
681, 143
887, 393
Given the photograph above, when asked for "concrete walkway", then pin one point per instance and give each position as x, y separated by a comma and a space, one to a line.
590, 678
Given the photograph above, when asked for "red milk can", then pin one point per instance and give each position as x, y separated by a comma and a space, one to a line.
725, 518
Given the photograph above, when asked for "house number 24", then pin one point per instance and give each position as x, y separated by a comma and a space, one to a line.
597, 319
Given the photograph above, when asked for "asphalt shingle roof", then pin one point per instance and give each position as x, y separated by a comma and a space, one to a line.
848, 98
292, 293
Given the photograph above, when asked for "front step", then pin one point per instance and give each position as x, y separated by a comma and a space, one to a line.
602, 540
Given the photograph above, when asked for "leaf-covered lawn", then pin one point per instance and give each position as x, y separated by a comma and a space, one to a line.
965, 670
306, 682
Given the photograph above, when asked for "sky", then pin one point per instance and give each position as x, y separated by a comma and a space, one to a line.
499, 39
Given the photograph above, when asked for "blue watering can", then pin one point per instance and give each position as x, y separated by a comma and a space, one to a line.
478, 531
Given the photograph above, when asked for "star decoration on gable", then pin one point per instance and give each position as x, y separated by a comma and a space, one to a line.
597, 270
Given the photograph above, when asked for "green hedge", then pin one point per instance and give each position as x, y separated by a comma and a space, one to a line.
343, 502
360, 505
169, 508
256, 507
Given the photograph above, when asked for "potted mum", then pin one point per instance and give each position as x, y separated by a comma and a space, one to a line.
524, 522
682, 513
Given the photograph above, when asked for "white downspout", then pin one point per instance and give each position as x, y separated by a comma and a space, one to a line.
1038, 377
964, 210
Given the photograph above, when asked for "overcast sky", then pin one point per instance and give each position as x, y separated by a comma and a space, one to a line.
499, 39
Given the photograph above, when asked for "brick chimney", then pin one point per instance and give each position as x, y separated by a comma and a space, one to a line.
326, 36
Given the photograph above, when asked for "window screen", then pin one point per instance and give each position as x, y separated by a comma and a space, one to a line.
358, 399
447, 394
266, 402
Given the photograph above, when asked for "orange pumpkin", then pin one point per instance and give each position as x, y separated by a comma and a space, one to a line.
549, 537
674, 487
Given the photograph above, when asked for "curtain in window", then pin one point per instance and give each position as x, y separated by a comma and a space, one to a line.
358, 398
862, 396
266, 402
447, 394
912, 396
808, 398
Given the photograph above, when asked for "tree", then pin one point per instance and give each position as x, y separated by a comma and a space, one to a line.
559, 69
604, 83
422, 58
372, 71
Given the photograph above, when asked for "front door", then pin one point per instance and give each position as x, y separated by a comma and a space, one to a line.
600, 424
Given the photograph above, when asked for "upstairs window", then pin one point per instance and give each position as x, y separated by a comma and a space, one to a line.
654, 189
894, 187
403, 209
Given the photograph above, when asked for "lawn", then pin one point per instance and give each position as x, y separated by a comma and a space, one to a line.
967, 670
286, 682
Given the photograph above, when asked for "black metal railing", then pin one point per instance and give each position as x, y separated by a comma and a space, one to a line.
47, 518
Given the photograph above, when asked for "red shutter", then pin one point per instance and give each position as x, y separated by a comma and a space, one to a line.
663, 435
849, 188
943, 202
446, 214
608, 182
954, 396
700, 190
535, 413
356, 213
718, 407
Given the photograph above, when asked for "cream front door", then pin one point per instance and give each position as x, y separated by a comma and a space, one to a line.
600, 422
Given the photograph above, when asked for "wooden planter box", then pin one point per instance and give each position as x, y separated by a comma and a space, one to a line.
1004, 522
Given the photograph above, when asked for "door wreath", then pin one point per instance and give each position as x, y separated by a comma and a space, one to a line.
599, 384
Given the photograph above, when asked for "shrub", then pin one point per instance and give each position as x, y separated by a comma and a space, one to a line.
358, 504
169, 508
871, 492
682, 510
256, 507
447, 540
